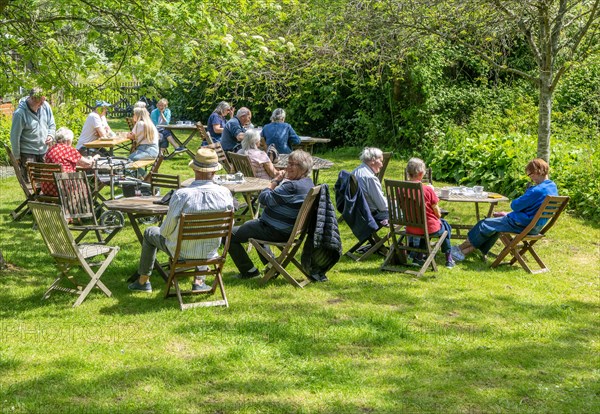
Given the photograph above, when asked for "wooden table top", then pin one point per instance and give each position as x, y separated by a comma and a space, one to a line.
315, 140
318, 163
182, 127
250, 185
107, 143
467, 198
137, 205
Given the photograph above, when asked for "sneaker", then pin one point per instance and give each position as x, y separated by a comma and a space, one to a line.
418, 262
178, 150
457, 254
138, 287
450, 264
249, 275
200, 287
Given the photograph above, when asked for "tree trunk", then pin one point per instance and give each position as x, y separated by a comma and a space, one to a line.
2, 262
544, 119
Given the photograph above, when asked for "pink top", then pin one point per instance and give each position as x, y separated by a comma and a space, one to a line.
257, 159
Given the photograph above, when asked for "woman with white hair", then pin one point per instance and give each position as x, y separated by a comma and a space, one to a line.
64, 154
279, 133
261, 164
365, 173
145, 134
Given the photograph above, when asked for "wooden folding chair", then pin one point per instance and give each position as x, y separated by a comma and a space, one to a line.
241, 162
130, 123
427, 178
198, 227
158, 181
22, 209
387, 156
377, 243
41, 173
518, 245
276, 265
68, 254
204, 135
78, 205
407, 208
223, 160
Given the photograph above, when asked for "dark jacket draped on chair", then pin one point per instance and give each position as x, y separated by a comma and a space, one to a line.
354, 208
323, 245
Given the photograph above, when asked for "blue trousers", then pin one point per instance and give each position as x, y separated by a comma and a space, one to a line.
446, 243
484, 234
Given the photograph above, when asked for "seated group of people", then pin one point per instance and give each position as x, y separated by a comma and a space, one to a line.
284, 197
231, 133
281, 200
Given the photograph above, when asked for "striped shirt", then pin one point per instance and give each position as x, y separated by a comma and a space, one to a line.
200, 196
283, 203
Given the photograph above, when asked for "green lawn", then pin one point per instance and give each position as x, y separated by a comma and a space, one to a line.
466, 340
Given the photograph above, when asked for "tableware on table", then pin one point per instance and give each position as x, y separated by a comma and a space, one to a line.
179, 122
445, 193
478, 189
239, 177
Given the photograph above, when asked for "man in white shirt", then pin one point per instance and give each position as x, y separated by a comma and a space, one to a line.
95, 126
201, 196
372, 162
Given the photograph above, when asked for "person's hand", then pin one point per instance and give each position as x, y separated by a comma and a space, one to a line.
499, 213
49, 141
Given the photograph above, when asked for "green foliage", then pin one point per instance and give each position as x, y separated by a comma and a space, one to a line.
498, 161
5, 124
71, 115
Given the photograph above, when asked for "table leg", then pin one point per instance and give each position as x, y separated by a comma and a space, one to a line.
315, 176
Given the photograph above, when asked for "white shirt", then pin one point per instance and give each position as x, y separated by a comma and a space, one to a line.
200, 196
88, 132
371, 188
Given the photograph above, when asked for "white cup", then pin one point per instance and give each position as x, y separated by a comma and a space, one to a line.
478, 189
445, 193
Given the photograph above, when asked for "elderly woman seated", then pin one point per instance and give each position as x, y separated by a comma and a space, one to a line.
365, 173
66, 155
261, 164
280, 133
282, 201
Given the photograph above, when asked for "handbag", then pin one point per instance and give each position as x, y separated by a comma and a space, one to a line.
273, 154
166, 199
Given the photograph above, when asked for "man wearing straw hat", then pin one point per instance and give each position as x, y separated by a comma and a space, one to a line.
201, 196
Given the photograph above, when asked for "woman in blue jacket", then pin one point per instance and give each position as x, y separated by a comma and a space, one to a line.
485, 233
279, 133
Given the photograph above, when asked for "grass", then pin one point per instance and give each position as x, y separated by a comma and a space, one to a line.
466, 340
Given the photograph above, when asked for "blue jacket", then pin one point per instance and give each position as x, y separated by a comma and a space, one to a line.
229, 136
354, 208
525, 207
29, 130
282, 135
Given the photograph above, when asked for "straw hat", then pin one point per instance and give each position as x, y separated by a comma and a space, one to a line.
205, 160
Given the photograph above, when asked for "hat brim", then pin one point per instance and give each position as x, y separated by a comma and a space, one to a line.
204, 169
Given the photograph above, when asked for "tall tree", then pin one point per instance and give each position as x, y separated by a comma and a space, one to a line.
557, 33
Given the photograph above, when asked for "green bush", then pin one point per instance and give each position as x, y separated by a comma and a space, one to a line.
5, 124
497, 161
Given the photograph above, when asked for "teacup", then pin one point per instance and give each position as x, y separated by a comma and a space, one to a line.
445, 193
478, 190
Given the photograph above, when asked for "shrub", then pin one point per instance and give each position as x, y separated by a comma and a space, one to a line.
497, 161
5, 123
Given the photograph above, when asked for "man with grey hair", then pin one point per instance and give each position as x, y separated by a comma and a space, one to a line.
365, 173
234, 130
32, 130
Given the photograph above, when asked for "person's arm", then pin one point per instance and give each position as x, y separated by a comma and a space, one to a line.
86, 162
15, 134
436, 211
169, 224
526, 200
270, 169
293, 137
165, 116
217, 128
376, 193
51, 125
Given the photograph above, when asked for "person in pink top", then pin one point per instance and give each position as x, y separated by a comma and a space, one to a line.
436, 225
261, 164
